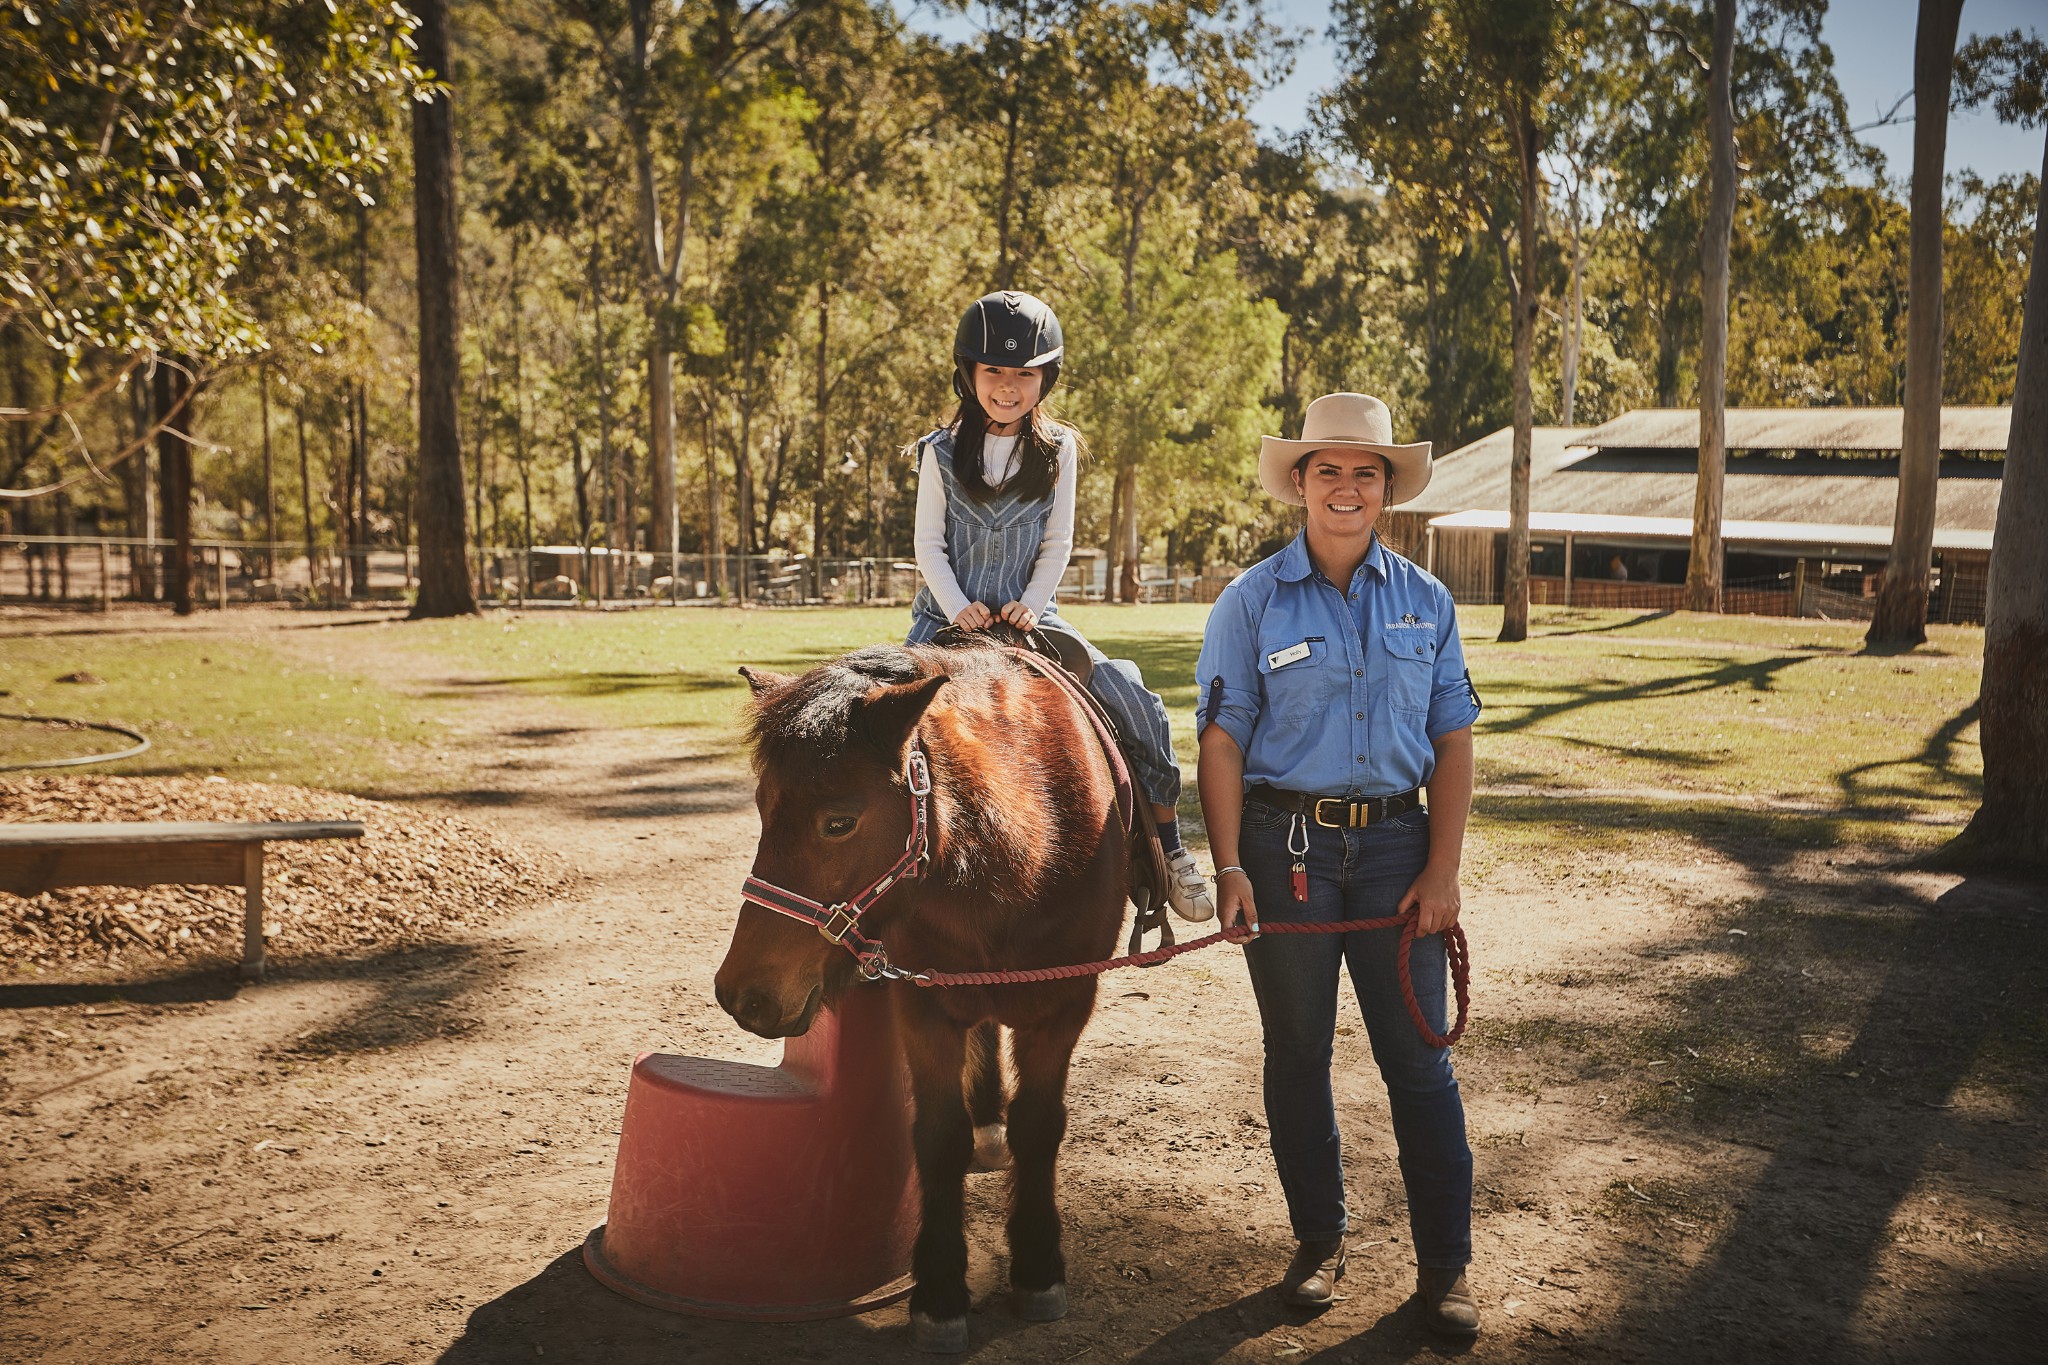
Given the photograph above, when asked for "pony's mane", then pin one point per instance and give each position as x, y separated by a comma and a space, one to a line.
812, 722
812, 718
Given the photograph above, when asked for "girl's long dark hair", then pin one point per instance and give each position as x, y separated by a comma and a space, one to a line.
1038, 450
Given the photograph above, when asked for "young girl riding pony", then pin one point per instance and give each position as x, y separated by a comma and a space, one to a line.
995, 529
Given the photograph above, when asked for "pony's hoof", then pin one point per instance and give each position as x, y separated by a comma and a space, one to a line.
938, 1336
991, 1148
1040, 1305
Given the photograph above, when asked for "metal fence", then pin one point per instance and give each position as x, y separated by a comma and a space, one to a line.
100, 571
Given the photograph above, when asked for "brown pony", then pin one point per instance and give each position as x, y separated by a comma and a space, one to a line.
1028, 868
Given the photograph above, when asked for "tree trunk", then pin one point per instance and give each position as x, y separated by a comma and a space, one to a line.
714, 519
1129, 584
660, 275
356, 501
138, 501
444, 571
824, 407
306, 504
269, 479
1514, 608
521, 455
2011, 826
1703, 568
1575, 320
604, 422
1900, 615
174, 464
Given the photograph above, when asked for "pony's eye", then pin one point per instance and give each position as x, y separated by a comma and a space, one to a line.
839, 826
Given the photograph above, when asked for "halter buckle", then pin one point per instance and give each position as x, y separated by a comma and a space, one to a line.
920, 771
839, 925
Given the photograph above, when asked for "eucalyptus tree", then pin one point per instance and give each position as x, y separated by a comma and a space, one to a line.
2010, 72
1464, 96
148, 150
1900, 615
444, 583
1175, 82
2011, 825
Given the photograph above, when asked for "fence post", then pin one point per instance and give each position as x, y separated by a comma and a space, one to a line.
220, 578
1567, 568
1799, 587
106, 569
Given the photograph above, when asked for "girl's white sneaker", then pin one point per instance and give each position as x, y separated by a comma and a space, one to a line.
1188, 890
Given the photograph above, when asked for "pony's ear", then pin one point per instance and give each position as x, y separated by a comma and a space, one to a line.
764, 682
889, 714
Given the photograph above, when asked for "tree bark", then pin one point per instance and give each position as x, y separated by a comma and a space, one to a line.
306, 504
1131, 580
824, 407
445, 588
2011, 826
608, 476
659, 277
1514, 613
1899, 619
1703, 569
174, 465
269, 478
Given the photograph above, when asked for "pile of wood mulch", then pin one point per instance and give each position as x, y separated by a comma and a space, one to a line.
411, 878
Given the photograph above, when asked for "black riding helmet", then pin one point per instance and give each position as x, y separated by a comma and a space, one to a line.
1008, 328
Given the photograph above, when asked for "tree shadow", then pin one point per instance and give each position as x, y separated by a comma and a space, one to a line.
1937, 756
1717, 675
1867, 1044
1642, 619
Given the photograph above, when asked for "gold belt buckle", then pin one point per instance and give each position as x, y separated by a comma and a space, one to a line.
1321, 801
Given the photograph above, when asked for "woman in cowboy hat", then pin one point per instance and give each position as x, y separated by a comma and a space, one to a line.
1333, 692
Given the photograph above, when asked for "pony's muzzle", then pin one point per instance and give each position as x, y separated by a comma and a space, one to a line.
761, 1012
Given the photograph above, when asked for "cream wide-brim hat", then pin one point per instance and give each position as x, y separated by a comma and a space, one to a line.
1345, 421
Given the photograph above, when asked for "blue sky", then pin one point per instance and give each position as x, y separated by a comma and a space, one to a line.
1872, 41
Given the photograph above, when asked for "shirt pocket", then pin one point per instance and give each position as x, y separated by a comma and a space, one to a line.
1411, 665
1296, 691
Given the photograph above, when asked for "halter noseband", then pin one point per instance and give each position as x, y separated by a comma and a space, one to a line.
840, 923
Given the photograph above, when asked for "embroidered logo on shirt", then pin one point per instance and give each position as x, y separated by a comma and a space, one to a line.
1410, 619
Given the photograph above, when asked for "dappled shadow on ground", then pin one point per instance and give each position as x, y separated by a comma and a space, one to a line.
421, 997
1713, 674
420, 993
1937, 756
1848, 1083
1567, 622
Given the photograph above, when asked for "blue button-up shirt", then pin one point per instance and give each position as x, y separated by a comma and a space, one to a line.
1339, 693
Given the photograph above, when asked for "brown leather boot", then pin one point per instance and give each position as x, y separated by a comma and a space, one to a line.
1447, 1305
1311, 1278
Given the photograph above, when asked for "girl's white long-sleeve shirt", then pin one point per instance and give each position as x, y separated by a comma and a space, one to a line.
998, 466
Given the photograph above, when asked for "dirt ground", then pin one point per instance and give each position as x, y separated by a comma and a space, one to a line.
1730, 1102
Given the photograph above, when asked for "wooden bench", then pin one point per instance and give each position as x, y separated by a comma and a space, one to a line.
35, 858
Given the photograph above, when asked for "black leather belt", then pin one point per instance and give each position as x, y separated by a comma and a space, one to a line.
1337, 812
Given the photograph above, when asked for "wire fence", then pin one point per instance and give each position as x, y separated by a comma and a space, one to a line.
101, 571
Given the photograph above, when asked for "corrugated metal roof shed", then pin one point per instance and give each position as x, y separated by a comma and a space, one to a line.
1847, 429
1568, 477
1676, 532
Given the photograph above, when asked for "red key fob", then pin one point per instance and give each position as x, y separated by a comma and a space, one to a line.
1300, 882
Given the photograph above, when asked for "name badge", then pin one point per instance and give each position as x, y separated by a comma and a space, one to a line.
1280, 658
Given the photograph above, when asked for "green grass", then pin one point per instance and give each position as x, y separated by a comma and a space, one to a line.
1779, 730
1788, 715
229, 705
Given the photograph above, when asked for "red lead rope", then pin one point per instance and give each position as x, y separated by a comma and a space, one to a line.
1455, 951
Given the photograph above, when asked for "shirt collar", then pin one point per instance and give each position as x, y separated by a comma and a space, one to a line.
1295, 564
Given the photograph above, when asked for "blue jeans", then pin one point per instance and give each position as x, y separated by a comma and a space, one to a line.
1355, 874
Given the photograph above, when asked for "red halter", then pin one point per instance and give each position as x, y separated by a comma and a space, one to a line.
840, 923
